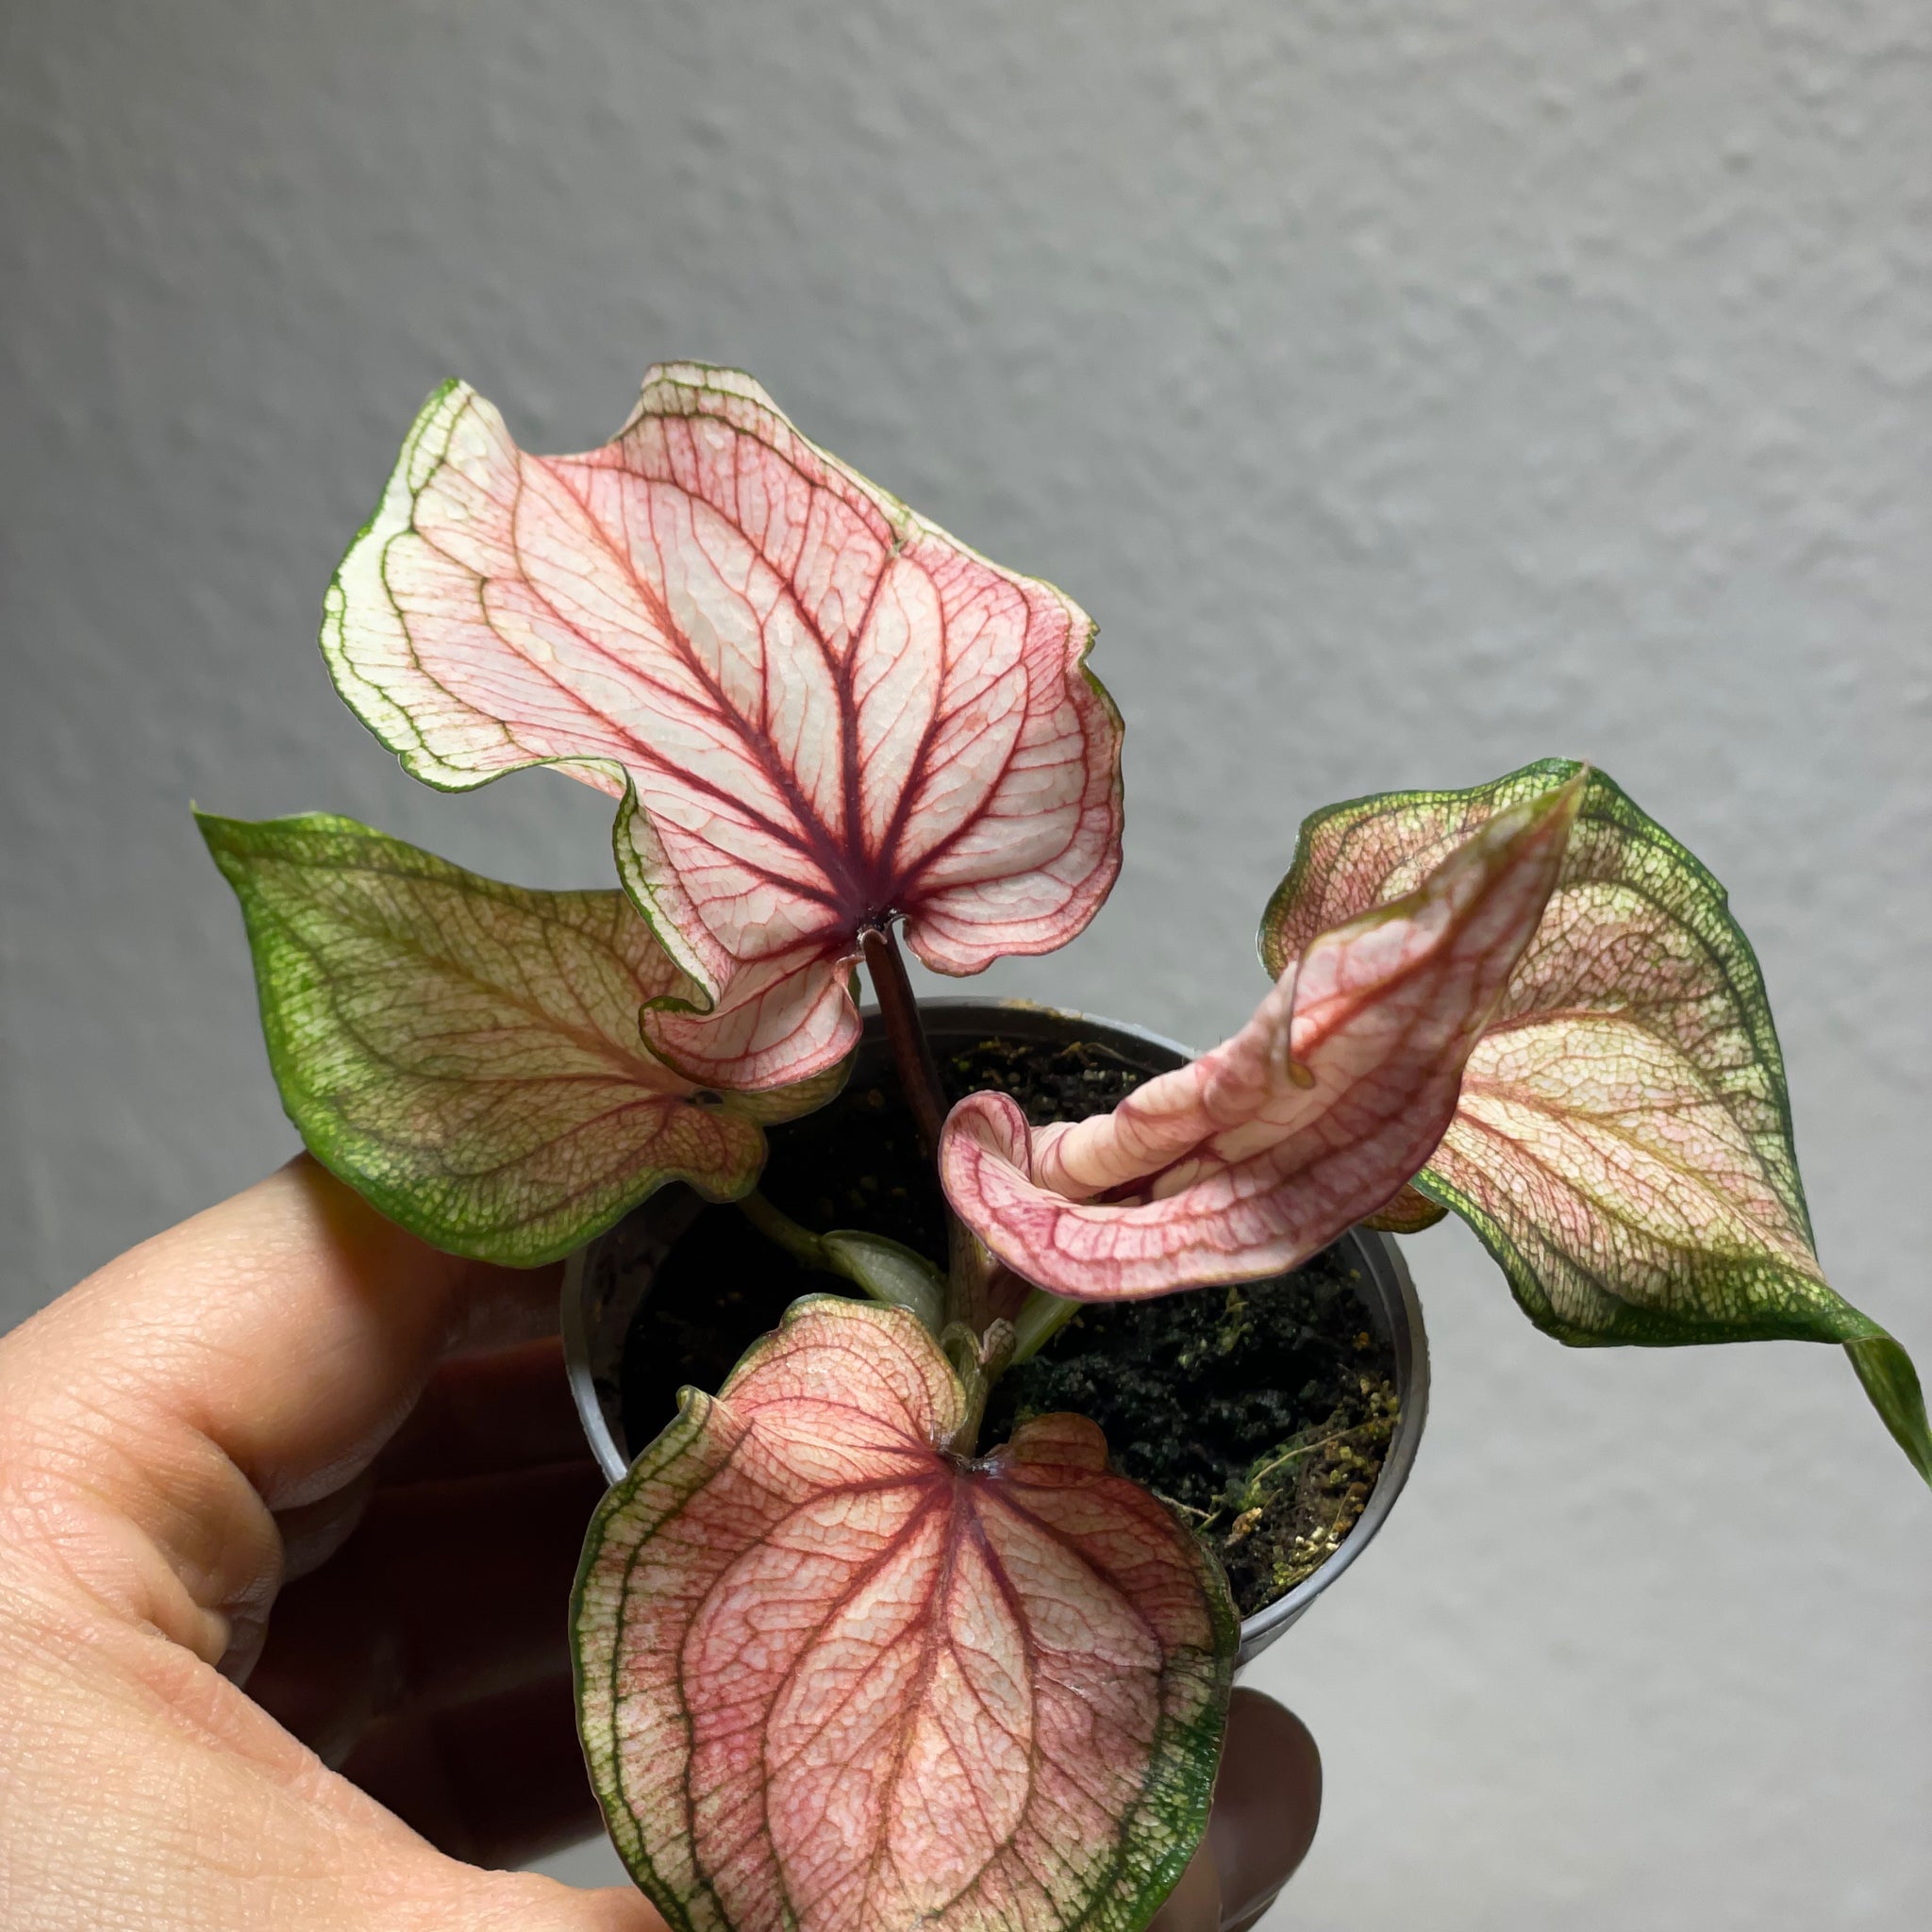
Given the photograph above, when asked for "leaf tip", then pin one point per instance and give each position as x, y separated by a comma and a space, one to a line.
693, 1405
1555, 810
1892, 1384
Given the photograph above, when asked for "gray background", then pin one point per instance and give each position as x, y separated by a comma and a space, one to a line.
1409, 389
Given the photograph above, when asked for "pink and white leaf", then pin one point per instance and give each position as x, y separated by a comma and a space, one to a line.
834, 1678
1256, 1155
817, 709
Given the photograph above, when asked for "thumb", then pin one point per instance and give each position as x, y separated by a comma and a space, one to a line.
1267, 1802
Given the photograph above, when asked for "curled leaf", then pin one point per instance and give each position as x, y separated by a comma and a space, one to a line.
1409, 1212
817, 709
1623, 1143
1251, 1159
833, 1679
466, 1053
889, 1271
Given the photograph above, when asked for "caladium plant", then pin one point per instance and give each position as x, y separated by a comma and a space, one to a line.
841, 1669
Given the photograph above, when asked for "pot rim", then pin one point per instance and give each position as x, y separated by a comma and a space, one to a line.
1394, 1305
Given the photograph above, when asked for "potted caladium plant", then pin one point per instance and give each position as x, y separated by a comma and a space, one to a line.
845, 1658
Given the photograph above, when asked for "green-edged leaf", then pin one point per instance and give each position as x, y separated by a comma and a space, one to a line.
833, 1678
466, 1053
1623, 1143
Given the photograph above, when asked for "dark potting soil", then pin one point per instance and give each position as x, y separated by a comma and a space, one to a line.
1262, 1412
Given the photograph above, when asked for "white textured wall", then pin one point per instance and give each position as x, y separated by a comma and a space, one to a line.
1410, 389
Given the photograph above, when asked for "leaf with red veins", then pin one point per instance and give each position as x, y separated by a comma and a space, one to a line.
1623, 1141
817, 709
833, 1678
1251, 1159
466, 1053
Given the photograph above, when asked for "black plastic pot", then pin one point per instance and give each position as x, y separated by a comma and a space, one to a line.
606, 1282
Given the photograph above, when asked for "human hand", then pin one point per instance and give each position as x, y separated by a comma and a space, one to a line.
201, 1427
287, 1402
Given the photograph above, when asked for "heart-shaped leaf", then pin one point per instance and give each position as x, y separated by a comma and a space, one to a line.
1251, 1159
1624, 1139
466, 1053
818, 709
835, 1678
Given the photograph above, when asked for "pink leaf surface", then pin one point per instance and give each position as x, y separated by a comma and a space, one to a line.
817, 709
834, 1678
1250, 1158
